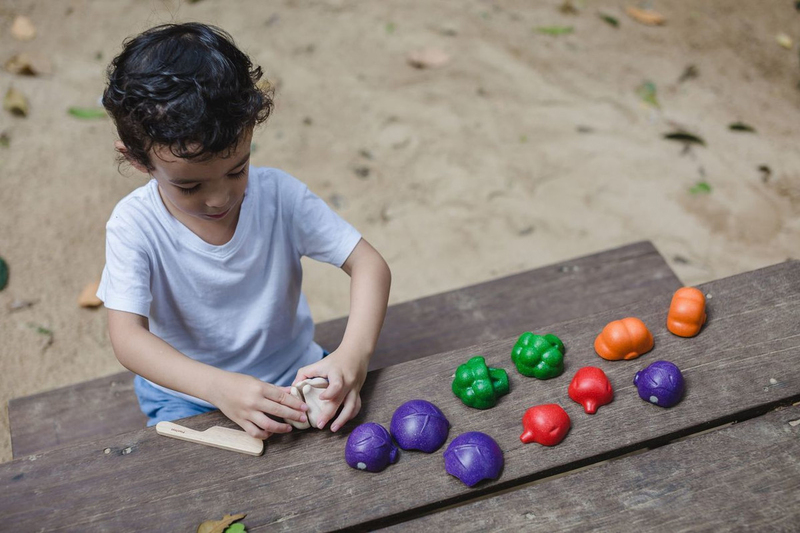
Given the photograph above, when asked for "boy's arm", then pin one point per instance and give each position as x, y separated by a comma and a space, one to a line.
243, 399
346, 367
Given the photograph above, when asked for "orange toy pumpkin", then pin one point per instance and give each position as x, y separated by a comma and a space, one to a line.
623, 339
687, 312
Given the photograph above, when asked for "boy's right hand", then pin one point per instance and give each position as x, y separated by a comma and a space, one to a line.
247, 401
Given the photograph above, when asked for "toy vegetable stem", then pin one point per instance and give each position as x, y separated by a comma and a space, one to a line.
499, 379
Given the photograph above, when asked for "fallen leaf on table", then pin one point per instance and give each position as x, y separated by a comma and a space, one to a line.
28, 64
647, 92
428, 58
23, 28
3, 274
15, 102
218, 526
700, 188
741, 126
784, 40
609, 19
87, 112
88, 296
684, 137
555, 30
647, 17
236, 528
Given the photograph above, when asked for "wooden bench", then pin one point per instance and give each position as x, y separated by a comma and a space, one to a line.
742, 365
743, 477
455, 319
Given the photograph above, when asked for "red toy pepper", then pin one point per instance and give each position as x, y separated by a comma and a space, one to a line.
546, 424
590, 388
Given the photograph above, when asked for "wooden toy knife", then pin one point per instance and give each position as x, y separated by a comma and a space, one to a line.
218, 437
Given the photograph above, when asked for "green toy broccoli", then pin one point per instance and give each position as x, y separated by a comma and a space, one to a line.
538, 356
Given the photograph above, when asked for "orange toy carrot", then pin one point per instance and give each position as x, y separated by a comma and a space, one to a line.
687, 312
623, 339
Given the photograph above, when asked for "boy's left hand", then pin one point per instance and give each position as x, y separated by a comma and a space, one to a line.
345, 373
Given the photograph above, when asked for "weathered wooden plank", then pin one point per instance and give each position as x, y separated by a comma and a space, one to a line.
302, 481
446, 321
744, 477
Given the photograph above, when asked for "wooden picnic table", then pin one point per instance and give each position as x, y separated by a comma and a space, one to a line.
740, 368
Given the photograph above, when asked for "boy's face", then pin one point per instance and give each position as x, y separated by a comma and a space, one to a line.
208, 193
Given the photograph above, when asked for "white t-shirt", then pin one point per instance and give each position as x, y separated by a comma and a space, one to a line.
237, 306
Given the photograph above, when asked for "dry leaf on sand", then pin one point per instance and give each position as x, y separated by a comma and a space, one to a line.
23, 28
428, 58
647, 17
784, 40
218, 526
88, 296
15, 102
31, 64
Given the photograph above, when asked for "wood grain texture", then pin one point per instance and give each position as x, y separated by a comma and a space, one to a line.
745, 477
455, 319
743, 363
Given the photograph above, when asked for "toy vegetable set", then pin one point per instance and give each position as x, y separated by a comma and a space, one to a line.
474, 456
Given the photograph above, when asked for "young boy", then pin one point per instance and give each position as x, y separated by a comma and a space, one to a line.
202, 277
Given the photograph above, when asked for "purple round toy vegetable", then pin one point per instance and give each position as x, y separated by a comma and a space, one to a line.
660, 383
370, 447
473, 457
419, 425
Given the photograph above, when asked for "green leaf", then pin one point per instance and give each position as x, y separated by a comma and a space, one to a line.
612, 21
87, 112
41, 330
3, 274
684, 137
647, 92
555, 30
236, 528
390, 27
741, 126
700, 188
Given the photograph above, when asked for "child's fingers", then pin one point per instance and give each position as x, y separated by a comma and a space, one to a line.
255, 431
281, 396
352, 405
283, 411
334, 389
269, 425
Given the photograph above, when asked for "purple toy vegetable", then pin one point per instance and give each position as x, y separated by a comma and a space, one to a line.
473, 457
419, 425
370, 447
660, 383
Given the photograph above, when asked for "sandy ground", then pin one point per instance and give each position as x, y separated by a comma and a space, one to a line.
523, 150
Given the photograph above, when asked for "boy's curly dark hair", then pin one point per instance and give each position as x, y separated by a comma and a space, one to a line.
185, 86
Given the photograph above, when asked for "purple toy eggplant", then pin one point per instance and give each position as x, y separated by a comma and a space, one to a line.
660, 383
370, 447
473, 457
419, 425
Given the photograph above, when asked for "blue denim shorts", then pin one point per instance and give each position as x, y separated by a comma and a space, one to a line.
163, 406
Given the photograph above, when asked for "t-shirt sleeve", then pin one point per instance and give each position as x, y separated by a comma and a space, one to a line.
319, 232
125, 284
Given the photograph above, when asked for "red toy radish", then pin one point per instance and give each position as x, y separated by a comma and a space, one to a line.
590, 388
546, 424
